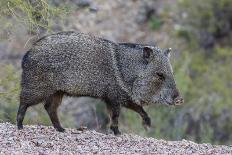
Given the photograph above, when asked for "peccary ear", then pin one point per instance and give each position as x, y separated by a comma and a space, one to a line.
147, 51
167, 52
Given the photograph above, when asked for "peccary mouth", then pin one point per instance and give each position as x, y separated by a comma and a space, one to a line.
164, 101
159, 101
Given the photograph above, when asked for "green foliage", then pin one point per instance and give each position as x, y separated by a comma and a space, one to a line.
9, 90
31, 14
155, 23
203, 21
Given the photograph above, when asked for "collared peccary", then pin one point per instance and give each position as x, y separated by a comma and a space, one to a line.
77, 64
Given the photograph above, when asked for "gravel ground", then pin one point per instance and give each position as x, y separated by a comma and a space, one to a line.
45, 140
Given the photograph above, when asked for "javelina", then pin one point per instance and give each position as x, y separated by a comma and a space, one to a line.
77, 64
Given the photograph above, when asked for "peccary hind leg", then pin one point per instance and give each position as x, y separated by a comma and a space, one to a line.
51, 106
114, 111
27, 99
21, 113
139, 109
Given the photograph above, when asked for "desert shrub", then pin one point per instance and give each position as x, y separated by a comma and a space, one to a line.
155, 22
206, 22
9, 88
36, 16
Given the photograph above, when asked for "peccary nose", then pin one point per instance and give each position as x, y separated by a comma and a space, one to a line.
178, 101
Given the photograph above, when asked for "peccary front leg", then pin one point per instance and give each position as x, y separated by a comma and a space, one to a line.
139, 109
114, 111
51, 107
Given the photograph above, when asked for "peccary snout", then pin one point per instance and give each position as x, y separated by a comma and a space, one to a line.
178, 100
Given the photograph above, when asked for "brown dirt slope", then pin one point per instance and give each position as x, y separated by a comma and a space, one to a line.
45, 140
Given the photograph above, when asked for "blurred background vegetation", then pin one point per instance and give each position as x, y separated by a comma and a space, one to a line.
198, 31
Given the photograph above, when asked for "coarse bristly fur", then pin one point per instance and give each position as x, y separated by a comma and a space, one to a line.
77, 64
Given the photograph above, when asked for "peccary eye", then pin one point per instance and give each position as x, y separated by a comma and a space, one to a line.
160, 76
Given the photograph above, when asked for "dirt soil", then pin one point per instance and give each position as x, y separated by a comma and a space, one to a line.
45, 140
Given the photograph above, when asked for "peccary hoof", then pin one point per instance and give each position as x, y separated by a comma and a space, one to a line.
147, 123
20, 127
60, 129
118, 133
115, 130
